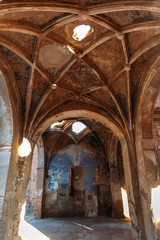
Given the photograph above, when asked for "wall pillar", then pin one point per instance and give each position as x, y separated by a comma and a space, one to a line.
133, 192
147, 176
15, 196
39, 183
117, 205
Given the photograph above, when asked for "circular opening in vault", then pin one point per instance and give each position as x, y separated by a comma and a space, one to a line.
78, 127
81, 31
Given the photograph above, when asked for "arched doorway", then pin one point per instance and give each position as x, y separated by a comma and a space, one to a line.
77, 177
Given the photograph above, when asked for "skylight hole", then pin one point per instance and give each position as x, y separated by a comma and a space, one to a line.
78, 127
81, 31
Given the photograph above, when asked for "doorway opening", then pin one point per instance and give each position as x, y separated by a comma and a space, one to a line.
77, 190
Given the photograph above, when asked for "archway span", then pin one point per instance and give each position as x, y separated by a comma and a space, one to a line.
77, 113
6, 135
15, 117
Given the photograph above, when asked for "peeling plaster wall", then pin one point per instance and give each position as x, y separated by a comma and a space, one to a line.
6, 124
58, 201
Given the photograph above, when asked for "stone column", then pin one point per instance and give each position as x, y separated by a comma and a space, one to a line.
18, 176
133, 192
147, 173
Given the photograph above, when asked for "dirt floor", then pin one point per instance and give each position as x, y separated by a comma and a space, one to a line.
77, 228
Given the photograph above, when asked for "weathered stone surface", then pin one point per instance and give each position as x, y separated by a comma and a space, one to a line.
111, 77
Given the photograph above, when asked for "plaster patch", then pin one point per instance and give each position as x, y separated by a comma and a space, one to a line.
53, 56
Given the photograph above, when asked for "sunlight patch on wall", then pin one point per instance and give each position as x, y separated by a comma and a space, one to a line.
25, 148
155, 202
125, 203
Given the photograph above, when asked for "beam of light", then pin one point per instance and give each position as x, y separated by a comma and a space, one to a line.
27, 231
70, 49
155, 202
83, 226
56, 124
80, 32
25, 148
125, 203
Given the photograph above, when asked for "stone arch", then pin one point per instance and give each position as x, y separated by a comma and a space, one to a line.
6, 123
128, 153
78, 113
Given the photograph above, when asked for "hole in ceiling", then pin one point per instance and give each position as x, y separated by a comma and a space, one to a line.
81, 31
78, 127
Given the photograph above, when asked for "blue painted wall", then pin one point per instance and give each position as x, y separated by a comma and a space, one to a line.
57, 202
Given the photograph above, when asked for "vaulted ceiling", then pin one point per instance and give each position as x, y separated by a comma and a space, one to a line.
103, 73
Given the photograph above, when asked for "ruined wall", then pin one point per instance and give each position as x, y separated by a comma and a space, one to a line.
58, 198
5, 137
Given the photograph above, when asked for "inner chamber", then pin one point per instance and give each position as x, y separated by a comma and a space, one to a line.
80, 177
